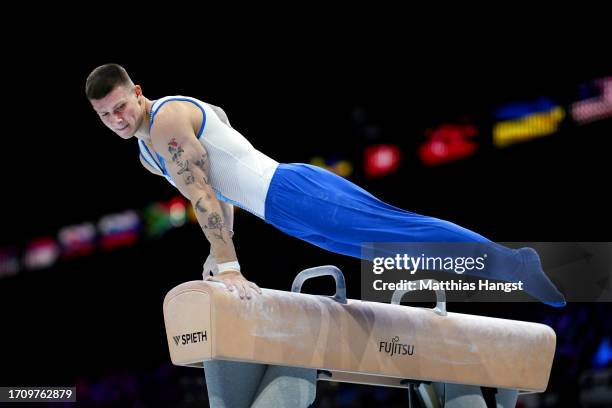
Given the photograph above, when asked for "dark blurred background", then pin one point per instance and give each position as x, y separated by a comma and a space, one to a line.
411, 123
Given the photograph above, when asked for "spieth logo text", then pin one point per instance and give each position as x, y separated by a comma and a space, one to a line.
189, 338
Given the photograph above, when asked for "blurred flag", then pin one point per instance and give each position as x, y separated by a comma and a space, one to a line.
41, 253
381, 160
77, 240
177, 211
595, 103
118, 230
448, 142
162, 216
341, 167
520, 122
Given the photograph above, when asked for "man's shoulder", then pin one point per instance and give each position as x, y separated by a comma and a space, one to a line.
171, 119
170, 111
173, 100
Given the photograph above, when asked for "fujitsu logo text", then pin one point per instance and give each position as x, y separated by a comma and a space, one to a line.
395, 348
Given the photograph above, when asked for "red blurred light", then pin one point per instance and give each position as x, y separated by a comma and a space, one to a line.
381, 160
448, 142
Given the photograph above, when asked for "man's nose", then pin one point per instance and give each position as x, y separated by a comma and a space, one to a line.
117, 119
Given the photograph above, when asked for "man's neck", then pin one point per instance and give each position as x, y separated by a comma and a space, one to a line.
143, 132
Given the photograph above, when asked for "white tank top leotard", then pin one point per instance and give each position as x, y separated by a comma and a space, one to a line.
239, 173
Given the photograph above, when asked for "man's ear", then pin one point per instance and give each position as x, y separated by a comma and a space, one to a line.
138, 90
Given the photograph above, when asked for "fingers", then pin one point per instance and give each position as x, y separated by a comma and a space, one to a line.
249, 287
242, 286
228, 284
255, 287
243, 291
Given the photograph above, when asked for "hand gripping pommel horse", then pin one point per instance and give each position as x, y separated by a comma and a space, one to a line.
444, 359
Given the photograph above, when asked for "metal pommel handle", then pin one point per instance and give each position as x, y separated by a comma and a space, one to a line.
440, 308
326, 270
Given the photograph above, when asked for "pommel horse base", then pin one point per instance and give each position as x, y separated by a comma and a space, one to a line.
425, 350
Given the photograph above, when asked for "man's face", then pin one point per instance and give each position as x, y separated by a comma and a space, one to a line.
120, 110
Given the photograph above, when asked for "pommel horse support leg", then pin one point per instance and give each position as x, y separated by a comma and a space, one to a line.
288, 339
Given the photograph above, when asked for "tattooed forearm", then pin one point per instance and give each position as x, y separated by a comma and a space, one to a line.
199, 207
217, 229
215, 223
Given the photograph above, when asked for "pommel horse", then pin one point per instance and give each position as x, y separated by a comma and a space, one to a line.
444, 359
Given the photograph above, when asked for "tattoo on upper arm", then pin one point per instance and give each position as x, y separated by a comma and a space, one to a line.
176, 152
202, 164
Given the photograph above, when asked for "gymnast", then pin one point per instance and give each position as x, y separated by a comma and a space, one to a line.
192, 144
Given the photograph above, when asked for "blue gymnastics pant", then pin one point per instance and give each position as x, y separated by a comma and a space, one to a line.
326, 210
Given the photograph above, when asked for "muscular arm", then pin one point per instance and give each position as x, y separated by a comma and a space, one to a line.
187, 163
